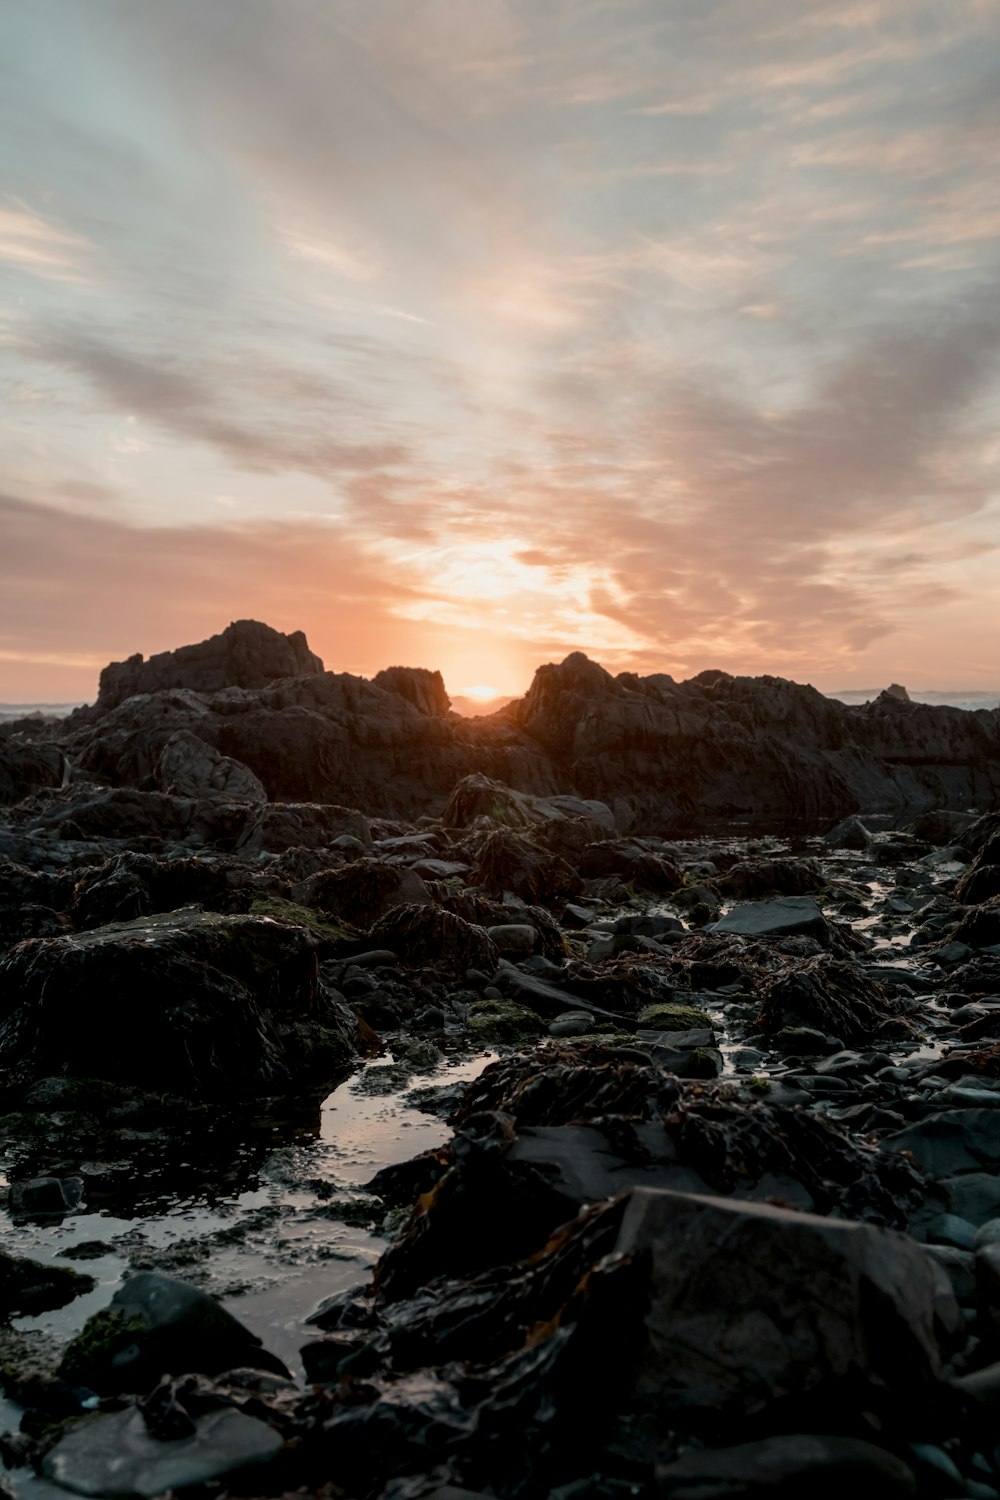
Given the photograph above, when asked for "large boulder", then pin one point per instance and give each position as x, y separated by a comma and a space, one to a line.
747, 1305
246, 654
155, 1326
185, 1002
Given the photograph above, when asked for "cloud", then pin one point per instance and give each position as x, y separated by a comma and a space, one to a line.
28, 242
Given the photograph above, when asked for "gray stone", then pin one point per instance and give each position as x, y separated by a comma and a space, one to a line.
960, 1267
791, 914
949, 1229
813, 1328
821, 1465
513, 939
115, 1455
157, 1325
988, 1233
973, 1195
958, 1140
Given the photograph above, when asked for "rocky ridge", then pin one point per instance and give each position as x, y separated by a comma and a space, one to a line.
711, 1057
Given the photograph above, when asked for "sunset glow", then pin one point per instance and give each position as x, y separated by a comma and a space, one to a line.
467, 333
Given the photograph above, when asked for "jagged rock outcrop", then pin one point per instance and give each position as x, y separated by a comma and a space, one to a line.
663, 756
246, 654
424, 689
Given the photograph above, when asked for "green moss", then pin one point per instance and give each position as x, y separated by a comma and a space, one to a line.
381, 1078
88, 1355
758, 1085
503, 1021
419, 1056
664, 1017
703, 1062
300, 916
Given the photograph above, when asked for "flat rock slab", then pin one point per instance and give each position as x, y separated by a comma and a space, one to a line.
115, 1455
791, 914
956, 1140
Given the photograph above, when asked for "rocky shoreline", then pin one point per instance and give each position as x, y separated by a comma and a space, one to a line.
722, 1216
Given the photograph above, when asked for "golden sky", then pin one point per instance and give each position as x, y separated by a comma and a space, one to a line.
466, 333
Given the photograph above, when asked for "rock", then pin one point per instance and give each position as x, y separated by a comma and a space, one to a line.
709, 1278
426, 934
187, 767
513, 939
820, 1466
156, 1325
42, 1197
759, 919
509, 861
28, 1288
952, 1141
503, 1021
297, 825
26, 768
424, 689
246, 654
114, 1454
221, 997
849, 833
752, 879
670, 1017
363, 891
829, 996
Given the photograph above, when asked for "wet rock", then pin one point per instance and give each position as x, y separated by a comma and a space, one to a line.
155, 1326
513, 939
670, 1017
749, 880
115, 1454
302, 825
426, 934
509, 861
363, 891
570, 822
952, 1141
221, 998
43, 1197
28, 1288
761, 919
492, 1021
797, 1340
639, 868
829, 996
849, 833
820, 1466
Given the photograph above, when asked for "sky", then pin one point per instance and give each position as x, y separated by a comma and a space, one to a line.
467, 333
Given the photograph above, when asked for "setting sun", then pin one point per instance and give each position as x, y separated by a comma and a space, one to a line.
481, 691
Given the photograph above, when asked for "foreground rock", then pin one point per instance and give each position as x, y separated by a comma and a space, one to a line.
189, 1002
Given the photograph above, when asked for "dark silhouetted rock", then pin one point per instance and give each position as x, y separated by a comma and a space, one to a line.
155, 1326
426, 934
829, 996
854, 1315
419, 686
186, 1002
246, 654
509, 861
